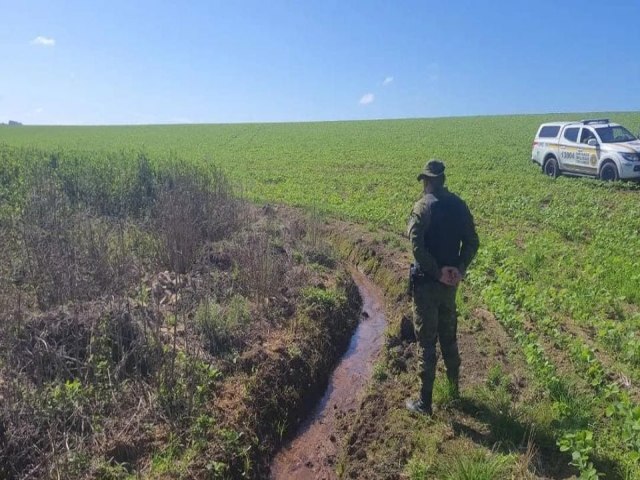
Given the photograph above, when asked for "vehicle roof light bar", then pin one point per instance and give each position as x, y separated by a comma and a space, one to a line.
594, 120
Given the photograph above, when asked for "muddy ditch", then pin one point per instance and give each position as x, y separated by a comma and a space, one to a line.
177, 375
313, 452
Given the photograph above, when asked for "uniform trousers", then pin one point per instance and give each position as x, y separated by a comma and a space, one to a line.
435, 318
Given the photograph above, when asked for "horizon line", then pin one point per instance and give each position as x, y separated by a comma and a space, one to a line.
285, 122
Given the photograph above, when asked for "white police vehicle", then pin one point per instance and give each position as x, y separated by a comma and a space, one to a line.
595, 148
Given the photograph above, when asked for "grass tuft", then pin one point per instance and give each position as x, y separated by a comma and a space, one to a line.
477, 466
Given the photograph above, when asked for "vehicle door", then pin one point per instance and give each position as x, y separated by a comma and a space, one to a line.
568, 148
587, 155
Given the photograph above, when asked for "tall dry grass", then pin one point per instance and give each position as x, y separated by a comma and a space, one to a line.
84, 357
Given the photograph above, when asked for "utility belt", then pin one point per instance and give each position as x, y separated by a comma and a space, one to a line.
416, 277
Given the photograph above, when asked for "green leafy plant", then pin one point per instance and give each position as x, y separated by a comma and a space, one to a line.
580, 444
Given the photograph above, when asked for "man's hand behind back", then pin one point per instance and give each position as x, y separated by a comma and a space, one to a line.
450, 276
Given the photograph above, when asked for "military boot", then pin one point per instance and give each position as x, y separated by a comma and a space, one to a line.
421, 405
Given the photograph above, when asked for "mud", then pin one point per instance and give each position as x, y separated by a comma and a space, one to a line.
312, 454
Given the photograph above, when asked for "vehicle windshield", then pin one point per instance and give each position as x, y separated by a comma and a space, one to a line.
615, 134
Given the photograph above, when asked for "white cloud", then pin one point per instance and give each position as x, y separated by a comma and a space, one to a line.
38, 110
387, 81
367, 98
44, 41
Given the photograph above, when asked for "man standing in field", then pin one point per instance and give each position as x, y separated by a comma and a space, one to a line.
444, 242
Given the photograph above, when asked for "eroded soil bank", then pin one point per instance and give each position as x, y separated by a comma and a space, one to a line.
312, 453
165, 345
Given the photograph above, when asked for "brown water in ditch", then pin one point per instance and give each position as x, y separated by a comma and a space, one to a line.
312, 453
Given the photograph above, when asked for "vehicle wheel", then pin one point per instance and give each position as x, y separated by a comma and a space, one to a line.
609, 172
551, 167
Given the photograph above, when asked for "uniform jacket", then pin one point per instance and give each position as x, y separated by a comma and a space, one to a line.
442, 233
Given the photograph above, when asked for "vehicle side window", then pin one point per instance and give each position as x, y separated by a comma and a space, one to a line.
550, 131
571, 134
586, 135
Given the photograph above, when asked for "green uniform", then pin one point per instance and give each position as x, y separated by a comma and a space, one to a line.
442, 234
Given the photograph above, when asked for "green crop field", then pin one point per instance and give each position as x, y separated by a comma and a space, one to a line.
559, 264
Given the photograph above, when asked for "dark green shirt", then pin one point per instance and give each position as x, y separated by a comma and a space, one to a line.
442, 233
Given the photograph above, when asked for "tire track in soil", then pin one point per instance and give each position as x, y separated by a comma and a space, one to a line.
312, 453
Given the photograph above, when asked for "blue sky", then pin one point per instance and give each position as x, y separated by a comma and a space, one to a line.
137, 61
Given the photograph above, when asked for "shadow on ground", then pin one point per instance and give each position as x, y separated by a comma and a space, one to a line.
507, 434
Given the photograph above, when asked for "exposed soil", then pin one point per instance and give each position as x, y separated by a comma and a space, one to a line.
312, 454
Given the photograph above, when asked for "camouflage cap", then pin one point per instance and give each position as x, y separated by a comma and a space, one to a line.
433, 168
